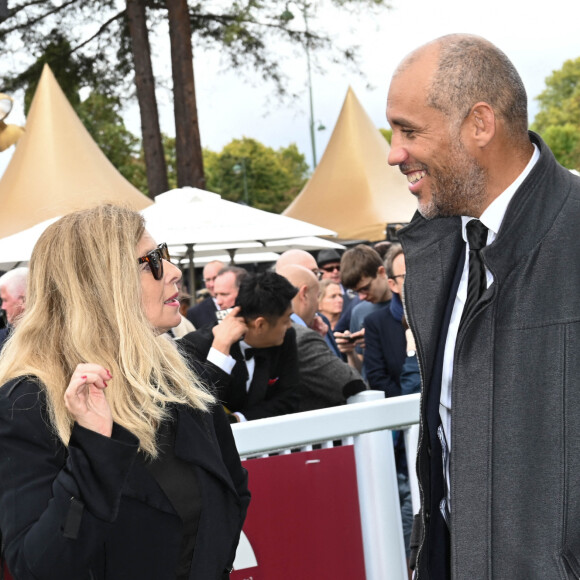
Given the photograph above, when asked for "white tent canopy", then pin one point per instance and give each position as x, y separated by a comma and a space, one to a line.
17, 248
192, 216
199, 224
197, 218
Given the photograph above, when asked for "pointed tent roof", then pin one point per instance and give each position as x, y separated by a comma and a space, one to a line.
57, 167
354, 191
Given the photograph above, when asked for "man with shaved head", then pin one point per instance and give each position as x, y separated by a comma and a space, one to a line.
491, 295
319, 323
295, 257
325, 379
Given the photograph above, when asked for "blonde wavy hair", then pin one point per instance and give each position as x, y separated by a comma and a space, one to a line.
83, 305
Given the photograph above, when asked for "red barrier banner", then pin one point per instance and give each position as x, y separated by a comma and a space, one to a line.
304, 519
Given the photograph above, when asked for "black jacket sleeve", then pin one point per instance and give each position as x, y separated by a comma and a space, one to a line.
232, 462
55, 503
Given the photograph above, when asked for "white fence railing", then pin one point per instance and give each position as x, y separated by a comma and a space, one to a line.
365, 422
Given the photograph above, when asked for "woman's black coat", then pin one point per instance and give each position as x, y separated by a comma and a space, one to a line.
91, 511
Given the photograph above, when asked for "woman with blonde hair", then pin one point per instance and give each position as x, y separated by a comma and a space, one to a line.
115, 462
330, 301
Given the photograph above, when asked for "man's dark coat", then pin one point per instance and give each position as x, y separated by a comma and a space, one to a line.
203, 313
275, 387
515, 436
385, 352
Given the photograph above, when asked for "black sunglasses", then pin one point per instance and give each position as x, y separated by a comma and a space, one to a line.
155, 260
329, 269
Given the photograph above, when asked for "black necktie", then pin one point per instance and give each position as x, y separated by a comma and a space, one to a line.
477, 281
249, 353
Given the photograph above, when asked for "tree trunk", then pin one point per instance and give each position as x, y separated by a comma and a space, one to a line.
4, 12
145, 83
187, 139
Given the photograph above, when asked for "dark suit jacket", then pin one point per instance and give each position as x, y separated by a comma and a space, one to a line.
93, 510
202, 314
385, 351
275, 387
4, 334
323, 375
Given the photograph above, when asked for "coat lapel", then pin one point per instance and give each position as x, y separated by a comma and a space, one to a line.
141, 485
438, 243
196, 443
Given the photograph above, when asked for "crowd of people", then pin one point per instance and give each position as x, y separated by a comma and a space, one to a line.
116, 454
262, 344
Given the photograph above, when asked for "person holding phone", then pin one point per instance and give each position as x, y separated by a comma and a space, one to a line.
251, 357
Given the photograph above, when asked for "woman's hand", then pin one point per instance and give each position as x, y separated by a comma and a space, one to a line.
85, 398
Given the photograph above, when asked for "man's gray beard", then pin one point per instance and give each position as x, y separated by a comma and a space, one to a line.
458, 190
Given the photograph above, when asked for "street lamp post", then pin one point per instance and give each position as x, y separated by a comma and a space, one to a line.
286, 16
241, 166
307, 47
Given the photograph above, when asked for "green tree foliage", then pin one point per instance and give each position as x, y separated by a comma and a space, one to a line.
558, 121
273, 178
97, 30
97, 33
101, 117
99, 113
71, 72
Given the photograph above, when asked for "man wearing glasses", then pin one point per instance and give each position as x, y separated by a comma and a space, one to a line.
204, 312
362, 271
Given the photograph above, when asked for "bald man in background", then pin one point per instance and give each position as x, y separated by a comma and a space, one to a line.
320, 323
326, 380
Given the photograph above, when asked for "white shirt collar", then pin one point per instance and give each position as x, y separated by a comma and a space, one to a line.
244, 346
493, 215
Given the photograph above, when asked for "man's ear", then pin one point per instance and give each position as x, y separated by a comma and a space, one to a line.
259, 323
392, 285
381, 271
479, 127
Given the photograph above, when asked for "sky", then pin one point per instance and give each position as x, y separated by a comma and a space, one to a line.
538, 38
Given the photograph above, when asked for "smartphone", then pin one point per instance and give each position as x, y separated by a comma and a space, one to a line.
221, 314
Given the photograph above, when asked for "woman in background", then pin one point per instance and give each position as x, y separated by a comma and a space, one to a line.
330, 301
115, 462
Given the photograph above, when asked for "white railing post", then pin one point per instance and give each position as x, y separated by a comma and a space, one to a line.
411, 444
378, 492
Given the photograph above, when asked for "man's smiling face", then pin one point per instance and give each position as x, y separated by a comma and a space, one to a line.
427, 145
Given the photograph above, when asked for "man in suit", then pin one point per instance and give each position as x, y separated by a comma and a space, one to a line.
320, 323
227, 286
362, 271
385, 344
326, 380
204, 312
13, 299
251, 356
491, 295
